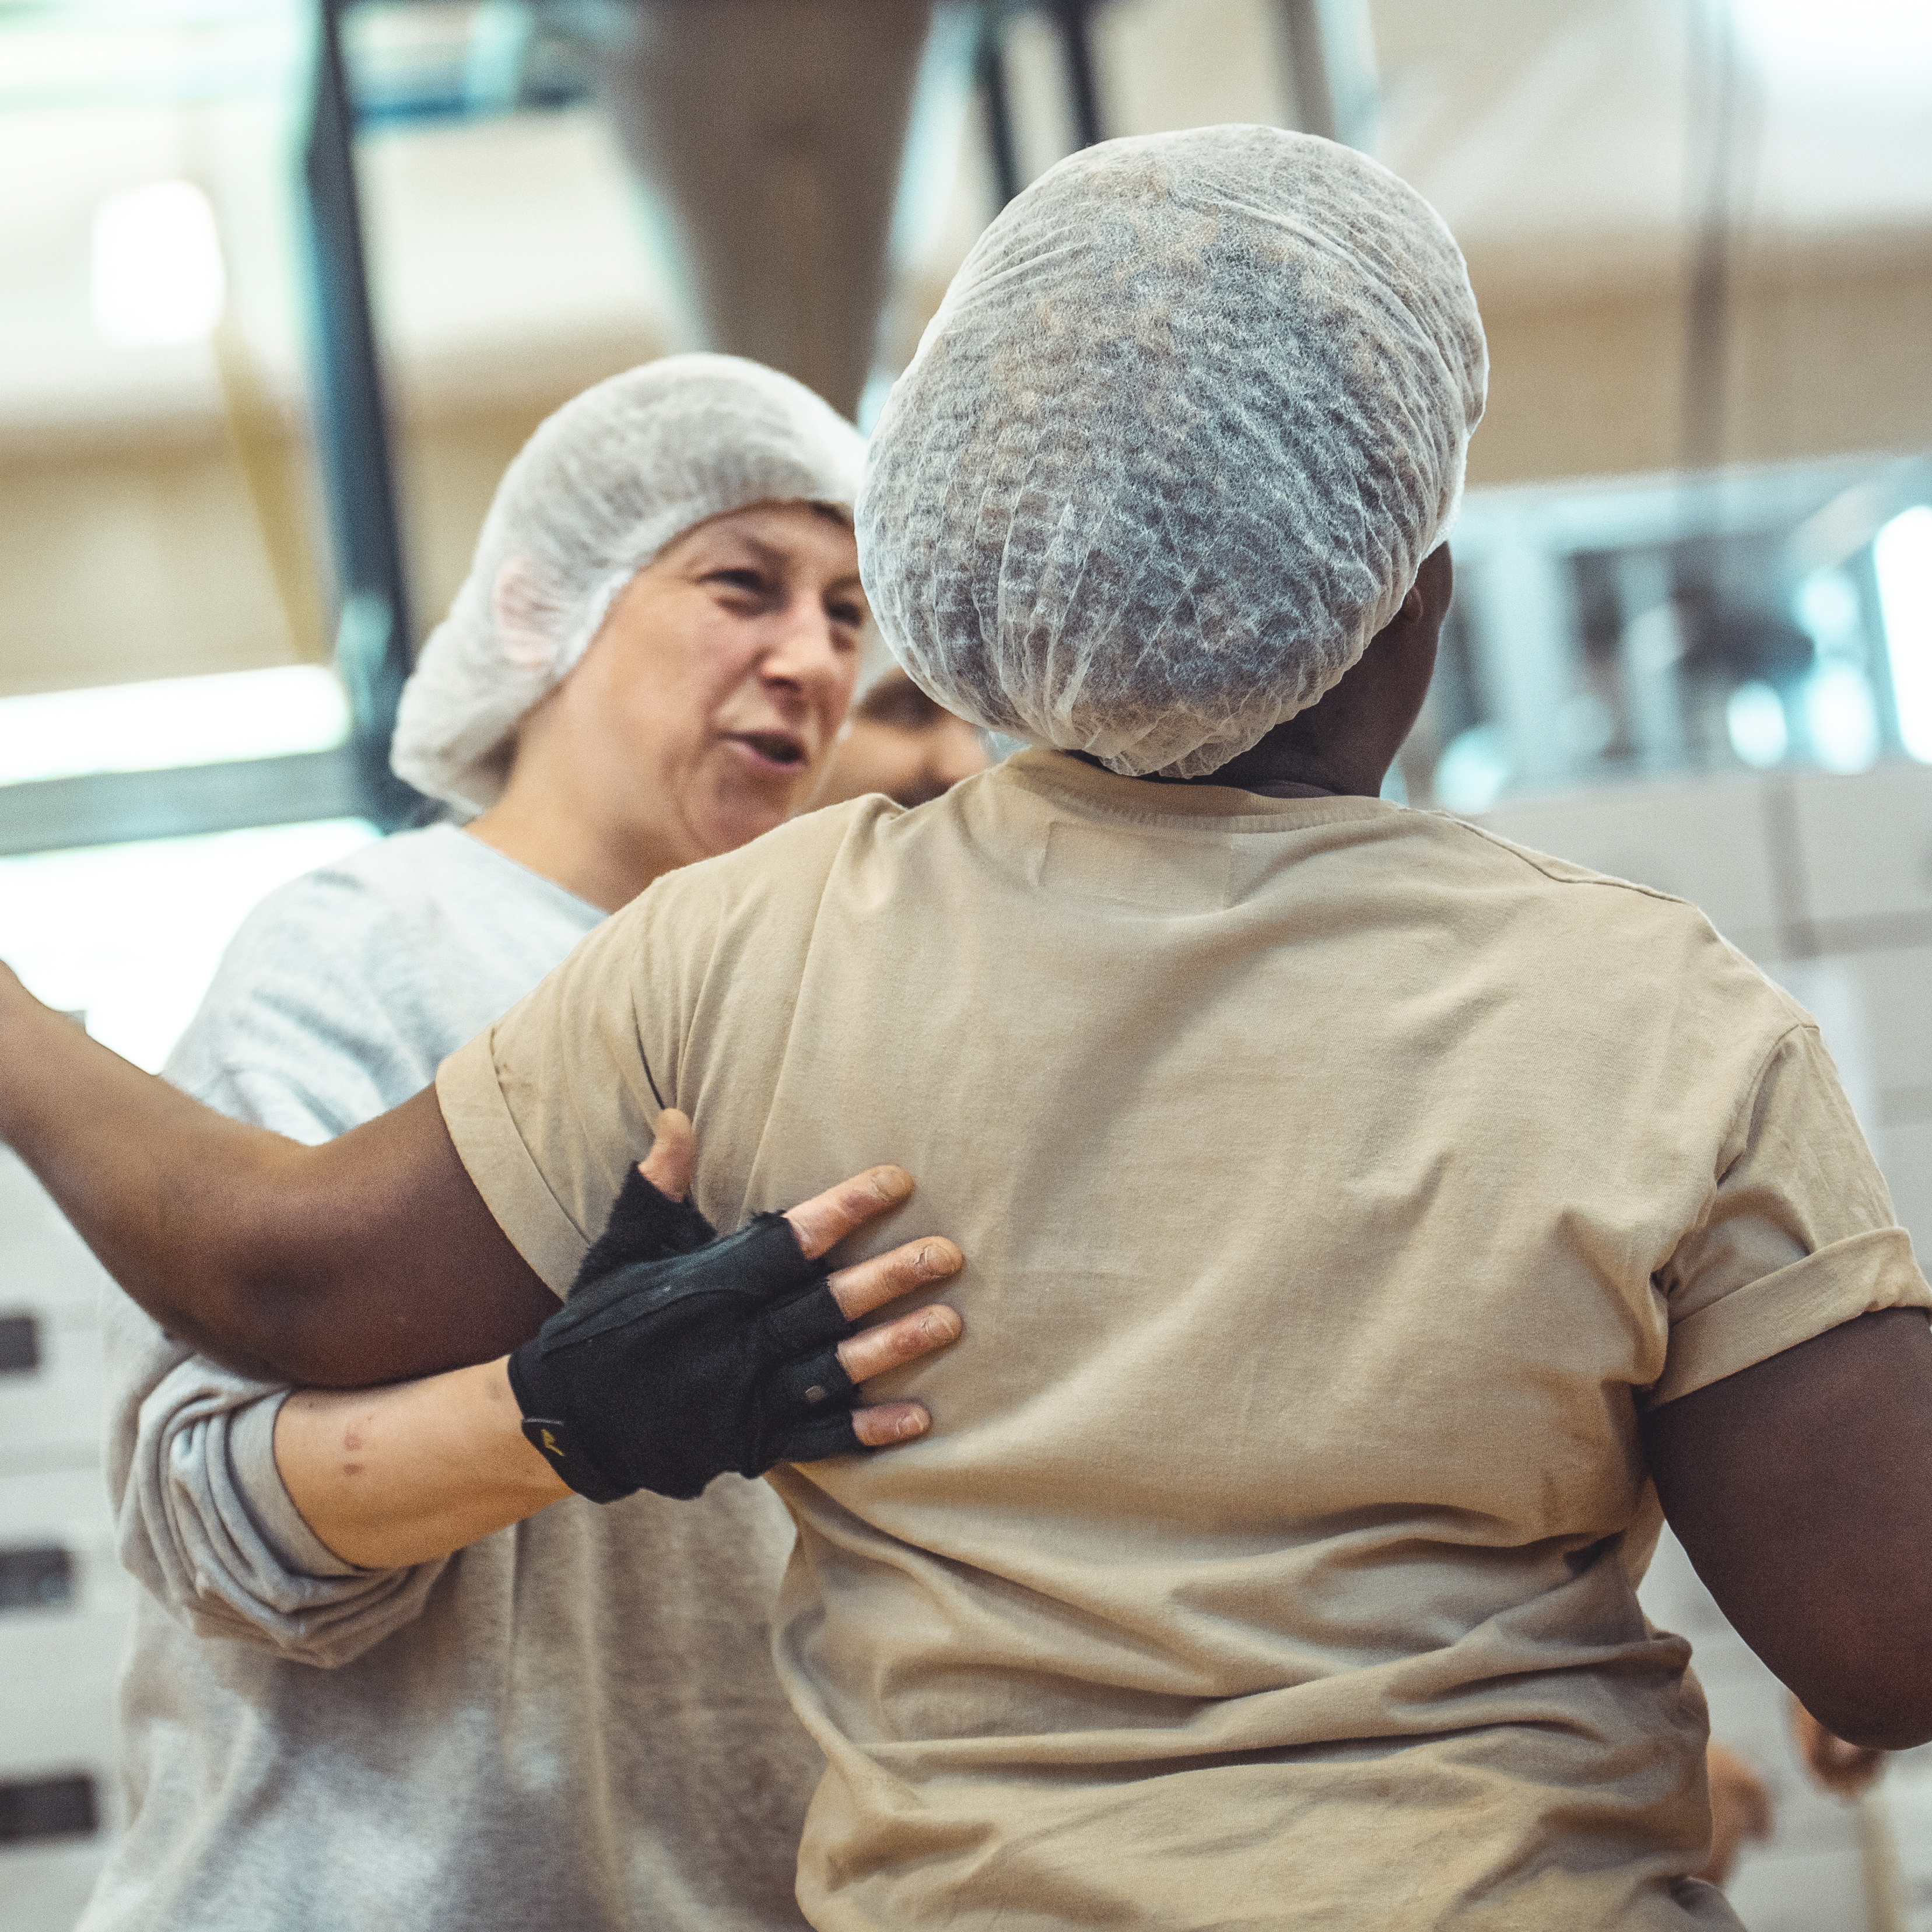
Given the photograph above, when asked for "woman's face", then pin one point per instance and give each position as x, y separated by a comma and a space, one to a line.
704, 709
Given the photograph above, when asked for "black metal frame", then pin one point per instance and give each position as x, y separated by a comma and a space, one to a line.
1073, 19
996, 106
373, 636
354, 453
351, 434
115, 807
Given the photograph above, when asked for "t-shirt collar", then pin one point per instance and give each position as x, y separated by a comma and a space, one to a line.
1068, 780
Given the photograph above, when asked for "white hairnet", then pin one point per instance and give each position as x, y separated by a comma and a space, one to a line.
1172, 451
602, 487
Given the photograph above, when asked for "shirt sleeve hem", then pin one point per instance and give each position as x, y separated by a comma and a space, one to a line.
492, 1151
258, 1481
1850, 1278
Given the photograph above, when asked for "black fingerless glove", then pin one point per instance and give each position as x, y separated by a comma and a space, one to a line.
681, 1354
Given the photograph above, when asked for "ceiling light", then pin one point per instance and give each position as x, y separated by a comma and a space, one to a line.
157, 273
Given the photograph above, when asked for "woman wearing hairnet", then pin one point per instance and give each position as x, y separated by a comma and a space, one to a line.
574, 1724
1366, 1221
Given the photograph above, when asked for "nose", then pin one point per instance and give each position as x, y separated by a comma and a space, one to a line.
803, 649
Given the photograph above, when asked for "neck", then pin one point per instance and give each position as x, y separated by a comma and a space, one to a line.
1278, 770
547, 838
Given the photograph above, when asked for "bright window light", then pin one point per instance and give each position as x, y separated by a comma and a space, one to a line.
1840, 717
1826, 605
131, 935
1902, 559
174, 721
1864, 47
157, 272
1754, 714
1472, 771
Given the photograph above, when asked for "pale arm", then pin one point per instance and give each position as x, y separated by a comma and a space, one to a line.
390, 1477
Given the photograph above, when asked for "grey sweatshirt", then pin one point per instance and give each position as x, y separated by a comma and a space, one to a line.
574, 1724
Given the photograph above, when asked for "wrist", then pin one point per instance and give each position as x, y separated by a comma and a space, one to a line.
559, 1442
517, 1461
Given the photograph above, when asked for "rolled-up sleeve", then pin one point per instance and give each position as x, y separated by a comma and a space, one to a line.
548, 1107
204, 1522
1798, 1234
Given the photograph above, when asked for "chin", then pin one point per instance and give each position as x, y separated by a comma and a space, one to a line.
741, 822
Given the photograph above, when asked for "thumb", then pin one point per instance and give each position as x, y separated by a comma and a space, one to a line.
673, 1154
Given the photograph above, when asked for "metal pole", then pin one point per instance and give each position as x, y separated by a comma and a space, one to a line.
372, 644
989, 68
1331, 61
1074, 20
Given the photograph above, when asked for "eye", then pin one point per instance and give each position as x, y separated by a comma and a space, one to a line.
853, 616
738, 577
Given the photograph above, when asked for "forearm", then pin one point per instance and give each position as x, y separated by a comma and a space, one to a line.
152, 1181
370, 1259
389, 1477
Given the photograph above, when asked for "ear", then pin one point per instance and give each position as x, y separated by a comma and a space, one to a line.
516, 610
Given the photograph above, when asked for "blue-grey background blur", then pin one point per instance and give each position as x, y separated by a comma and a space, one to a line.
1693, 638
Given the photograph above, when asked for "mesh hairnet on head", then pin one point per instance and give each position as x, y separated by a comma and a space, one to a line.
1172, 451
602, 487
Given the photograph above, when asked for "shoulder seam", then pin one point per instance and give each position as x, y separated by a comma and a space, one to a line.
1531, 859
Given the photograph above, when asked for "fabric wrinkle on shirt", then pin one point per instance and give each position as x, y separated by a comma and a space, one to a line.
1337, 1184
573, 1724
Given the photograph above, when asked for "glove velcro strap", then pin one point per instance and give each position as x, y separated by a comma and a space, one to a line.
761, 1261
818, 1441
556, 1441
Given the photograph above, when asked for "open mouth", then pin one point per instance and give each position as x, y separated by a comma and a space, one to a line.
778, 749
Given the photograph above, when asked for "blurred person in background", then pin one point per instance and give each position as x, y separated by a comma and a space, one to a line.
573, 1724
903, 743
1741, 1808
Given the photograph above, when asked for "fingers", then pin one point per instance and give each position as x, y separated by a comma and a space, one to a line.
1840, 1767
1846, 1769
871, 1285
673, 1154
895, 1343
827, 1219
891, 1422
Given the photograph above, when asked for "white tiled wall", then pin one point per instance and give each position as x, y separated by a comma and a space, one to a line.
1703, 842
1866, 842
1826, 882
58, 1663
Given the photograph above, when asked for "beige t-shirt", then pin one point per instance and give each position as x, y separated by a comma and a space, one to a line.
1337, 1183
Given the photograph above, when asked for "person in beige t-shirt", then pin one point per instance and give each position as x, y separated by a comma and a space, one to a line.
1371, 1228
1376, 1173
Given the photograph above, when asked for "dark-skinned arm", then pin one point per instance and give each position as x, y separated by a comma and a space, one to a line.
1801, 1488
370, 1259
